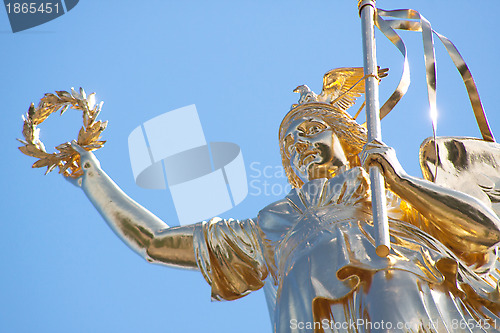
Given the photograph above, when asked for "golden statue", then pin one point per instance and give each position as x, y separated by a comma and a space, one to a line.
314, 250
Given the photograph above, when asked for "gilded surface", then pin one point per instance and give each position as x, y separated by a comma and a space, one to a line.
314, 250
404, 19
67, 159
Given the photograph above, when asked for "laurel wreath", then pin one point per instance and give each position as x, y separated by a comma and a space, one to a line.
67, 159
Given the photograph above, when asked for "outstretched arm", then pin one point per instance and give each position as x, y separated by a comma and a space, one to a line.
459, 220
141, 230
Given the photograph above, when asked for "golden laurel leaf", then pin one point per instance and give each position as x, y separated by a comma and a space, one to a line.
66, 159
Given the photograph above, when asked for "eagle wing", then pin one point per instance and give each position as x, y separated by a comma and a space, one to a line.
341, 86
468, 165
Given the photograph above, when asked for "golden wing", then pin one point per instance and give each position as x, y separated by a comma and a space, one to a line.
341, 86
468, 165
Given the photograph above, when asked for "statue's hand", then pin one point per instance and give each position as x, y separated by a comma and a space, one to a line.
88, 162
376, 153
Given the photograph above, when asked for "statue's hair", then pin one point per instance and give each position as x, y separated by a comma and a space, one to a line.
352, 136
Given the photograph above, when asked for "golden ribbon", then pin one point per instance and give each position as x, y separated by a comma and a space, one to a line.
401, 21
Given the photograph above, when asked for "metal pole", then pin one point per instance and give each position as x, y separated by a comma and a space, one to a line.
379, 206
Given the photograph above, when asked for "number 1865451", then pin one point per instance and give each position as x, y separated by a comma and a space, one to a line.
32, 8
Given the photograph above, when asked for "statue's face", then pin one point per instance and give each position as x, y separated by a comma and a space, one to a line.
313, 149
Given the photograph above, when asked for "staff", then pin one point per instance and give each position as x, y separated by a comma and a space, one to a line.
367, 12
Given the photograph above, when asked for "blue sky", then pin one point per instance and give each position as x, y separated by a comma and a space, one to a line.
63, 268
